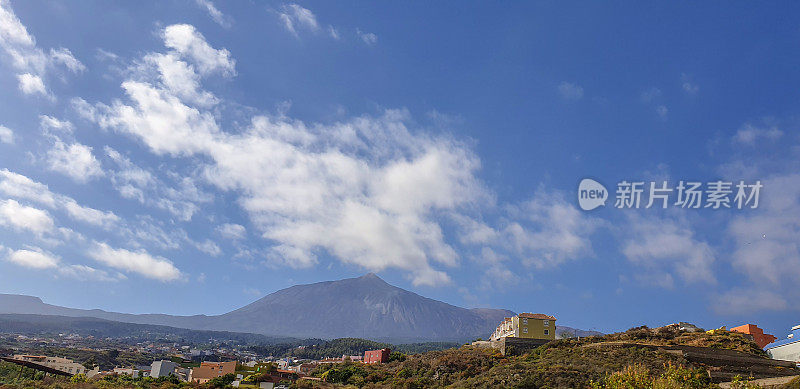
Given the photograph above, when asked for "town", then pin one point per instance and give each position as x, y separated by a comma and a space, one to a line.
238, 366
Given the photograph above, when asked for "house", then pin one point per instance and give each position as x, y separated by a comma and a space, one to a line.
162, 368
787, 349
307, 368
756, 333
210, 370
58, 363
688, 327
377, 356
144, 370
526, 325
133, 373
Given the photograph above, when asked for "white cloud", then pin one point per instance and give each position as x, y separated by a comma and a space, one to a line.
294, 16
34, 258
19, 46
21, 187
570, 91
367, 37
496, 276
29, 60
6, 135
767, 239
748, 134
741, 301
140, 262
49, 123
547, 231
364, 190
88, 215
74, 160
22, 217
232, 231
218, 17
192, 45
31, 84
208, 247
367, 190
334, 33
134, 182
64, 57
147, 231
130, 180
662, 245
88, 273
181, 79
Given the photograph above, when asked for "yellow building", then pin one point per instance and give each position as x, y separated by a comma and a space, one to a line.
527, 325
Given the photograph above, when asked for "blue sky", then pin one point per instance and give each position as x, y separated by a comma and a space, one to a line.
189, 157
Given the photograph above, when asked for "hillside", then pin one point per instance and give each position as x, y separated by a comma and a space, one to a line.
638, 358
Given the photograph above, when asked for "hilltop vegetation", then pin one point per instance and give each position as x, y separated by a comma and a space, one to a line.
622, 360
318, 349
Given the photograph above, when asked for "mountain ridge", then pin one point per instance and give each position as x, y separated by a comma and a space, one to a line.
362, 307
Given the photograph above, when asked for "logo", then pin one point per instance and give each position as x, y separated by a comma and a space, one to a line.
591, 194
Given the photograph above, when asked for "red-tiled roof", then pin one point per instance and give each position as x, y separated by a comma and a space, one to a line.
540, 316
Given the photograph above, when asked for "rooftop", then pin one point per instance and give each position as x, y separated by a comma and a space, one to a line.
540, 316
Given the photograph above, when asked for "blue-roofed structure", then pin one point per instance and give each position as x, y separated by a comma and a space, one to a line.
786, 349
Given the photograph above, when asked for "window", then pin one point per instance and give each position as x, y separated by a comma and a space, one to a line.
547, 323
547, 332
525, 330
525, 320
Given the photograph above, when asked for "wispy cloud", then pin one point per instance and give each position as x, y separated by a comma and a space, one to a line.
6, 135
367, 37
218, 17
749, 134
295, 17
570, 91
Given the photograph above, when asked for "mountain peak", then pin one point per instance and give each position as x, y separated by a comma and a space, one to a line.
371, 279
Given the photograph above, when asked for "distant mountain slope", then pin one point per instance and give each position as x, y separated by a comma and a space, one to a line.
11, 303
31, 324
364, 307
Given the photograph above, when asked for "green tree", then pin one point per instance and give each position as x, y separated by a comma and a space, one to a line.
221, 382
397, 356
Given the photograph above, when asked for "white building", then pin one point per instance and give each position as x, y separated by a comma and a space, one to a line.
162, 369
127, 371
787, 349
58, 363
